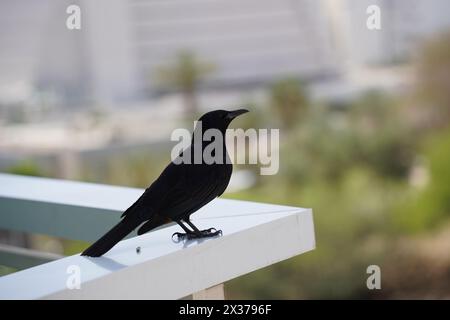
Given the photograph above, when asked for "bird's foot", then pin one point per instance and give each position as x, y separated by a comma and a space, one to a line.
179, 236
207, 233
211, 232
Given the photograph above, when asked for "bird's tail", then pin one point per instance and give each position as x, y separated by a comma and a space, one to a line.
111, 238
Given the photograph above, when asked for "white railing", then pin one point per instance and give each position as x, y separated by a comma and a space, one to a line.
255, 235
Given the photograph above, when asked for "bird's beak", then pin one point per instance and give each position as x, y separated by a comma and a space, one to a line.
233, 114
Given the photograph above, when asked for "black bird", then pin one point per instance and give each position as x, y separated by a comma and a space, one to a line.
180, 190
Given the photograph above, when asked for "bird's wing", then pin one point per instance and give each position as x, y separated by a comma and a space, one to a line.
179, 190
156, 192
192, 186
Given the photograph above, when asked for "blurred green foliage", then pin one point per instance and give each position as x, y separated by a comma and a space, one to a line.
26, 168
4, 270
427, 207
373, 176
433, 80
288, 101
350, 166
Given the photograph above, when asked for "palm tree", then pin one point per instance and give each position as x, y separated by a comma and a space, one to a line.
185, 75
289, 101
433, 80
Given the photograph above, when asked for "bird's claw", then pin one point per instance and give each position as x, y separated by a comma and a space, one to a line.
211, 232
207, 233
179, 236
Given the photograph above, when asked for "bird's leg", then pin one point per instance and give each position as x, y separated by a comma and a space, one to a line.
211, 232
180, 235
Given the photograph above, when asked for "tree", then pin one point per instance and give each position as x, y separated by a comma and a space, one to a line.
433, 80
185, 75
288, 100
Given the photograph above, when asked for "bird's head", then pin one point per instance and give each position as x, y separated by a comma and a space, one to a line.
219, 119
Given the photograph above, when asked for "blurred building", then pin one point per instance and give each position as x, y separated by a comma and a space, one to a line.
112, 61
251, 41
404, 26
113, 58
